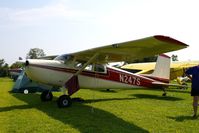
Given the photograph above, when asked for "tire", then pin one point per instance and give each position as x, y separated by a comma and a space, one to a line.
46, 96
25, 91
108, 90
64, 101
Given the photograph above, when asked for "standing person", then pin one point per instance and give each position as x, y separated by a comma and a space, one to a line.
193, 74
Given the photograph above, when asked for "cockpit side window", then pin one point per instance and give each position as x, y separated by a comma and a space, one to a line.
70, 61
91, 67
79, 64
99, 68
96, 68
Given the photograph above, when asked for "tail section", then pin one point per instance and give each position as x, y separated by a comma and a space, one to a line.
162, 67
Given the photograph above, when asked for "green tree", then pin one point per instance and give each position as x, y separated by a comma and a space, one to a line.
3, 68
35, 53
16, 65
1, 62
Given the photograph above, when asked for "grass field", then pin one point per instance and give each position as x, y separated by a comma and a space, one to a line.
118, 111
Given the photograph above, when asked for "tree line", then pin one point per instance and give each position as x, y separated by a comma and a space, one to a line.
3, 68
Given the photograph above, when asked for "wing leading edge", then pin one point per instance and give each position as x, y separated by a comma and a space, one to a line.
131, 50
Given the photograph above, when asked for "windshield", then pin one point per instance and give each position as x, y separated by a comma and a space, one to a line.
70, 61
64, 57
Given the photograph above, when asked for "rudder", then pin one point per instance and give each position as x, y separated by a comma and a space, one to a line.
162, 67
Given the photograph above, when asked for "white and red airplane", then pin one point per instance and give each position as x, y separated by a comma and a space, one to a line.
86, 68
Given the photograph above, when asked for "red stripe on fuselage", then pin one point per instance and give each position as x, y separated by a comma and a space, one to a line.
157, 78
111, 75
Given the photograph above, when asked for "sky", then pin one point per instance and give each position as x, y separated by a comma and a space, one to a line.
66, 26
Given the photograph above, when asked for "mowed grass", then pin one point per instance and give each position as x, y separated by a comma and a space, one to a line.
117, 111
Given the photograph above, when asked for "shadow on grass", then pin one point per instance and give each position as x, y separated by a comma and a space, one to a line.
108, 91
80, 116
182, 118
148, 96
178, 91
103, 100
167, 90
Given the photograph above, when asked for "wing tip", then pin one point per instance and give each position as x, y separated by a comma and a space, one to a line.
164, 55
170, 40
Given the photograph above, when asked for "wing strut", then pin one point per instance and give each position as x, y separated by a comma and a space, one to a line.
72, 84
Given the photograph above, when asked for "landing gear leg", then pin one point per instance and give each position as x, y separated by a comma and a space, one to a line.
63, 89
64, 100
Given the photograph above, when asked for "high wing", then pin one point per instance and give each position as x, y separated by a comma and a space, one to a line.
131, 50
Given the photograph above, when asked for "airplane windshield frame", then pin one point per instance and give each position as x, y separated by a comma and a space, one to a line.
69, 60
64, 57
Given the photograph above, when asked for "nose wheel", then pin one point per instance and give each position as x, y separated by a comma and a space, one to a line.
64, 101
46, 96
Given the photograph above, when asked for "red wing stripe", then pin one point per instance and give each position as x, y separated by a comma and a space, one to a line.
169, 40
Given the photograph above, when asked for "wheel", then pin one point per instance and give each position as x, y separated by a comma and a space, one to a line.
164, 94
46, 96
25, 91
64, 101
108, 90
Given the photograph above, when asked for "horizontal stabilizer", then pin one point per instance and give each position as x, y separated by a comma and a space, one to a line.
157, 84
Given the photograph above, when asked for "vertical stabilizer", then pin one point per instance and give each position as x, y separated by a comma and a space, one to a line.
162, 67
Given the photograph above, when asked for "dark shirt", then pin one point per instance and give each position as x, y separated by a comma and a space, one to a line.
194, 71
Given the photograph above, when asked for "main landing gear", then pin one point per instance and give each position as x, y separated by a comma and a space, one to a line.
46, 96
63, 101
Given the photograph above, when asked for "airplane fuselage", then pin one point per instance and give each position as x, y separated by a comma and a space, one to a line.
56, 73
